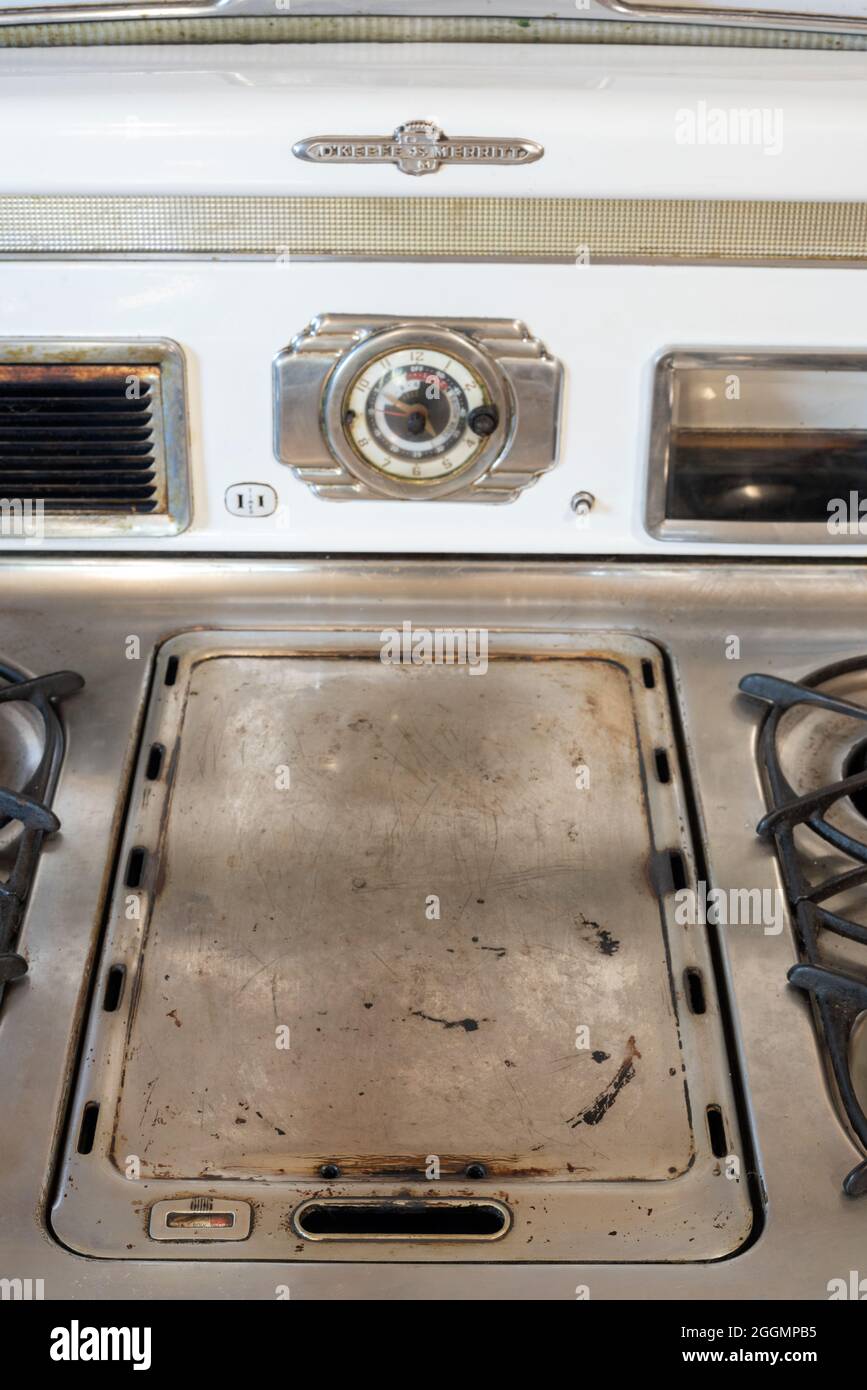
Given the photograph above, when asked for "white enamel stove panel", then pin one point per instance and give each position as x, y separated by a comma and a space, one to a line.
223, 120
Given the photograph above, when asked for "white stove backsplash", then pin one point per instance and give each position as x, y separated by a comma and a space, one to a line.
614, 123
605, 324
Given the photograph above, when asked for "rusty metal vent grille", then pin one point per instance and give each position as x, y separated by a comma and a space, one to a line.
90, 443
81, 438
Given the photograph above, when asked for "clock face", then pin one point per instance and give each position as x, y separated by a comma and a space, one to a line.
417, 414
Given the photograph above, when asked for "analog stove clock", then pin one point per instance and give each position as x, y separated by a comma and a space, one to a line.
417, 409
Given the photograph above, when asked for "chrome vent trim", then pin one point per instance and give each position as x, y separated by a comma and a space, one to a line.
582, 230
93, 437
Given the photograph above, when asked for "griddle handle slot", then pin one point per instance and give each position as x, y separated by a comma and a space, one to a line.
401, 1219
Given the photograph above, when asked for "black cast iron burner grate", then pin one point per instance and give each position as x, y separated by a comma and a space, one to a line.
29, 805
838, 997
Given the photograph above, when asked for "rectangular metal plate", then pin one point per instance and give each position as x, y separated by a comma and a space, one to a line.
403, 919
199, 1219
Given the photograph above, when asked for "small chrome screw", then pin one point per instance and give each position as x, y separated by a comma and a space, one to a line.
582, 503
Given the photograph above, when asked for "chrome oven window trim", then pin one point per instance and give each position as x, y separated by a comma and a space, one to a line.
663, 527
170, 444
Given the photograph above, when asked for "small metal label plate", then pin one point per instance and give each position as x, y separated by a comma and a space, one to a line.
417, 147
199, 1218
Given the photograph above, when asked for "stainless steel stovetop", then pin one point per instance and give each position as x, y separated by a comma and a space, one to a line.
226, 916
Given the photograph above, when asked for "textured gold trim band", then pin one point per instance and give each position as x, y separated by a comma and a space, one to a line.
417, 29
582, 230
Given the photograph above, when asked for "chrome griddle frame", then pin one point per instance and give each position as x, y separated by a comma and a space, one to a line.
132, 1053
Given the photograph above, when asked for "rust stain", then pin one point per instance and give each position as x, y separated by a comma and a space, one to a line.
388, 1168
74, 367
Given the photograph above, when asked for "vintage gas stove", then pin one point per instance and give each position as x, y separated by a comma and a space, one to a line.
433, 671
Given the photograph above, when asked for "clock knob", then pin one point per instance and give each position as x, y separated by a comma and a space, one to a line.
483, 420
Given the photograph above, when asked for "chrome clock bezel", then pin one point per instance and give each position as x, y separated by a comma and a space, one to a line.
401, 336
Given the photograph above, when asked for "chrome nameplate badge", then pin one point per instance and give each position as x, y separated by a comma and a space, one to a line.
418, 147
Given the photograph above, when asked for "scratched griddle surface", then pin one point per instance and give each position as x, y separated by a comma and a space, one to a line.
309, 908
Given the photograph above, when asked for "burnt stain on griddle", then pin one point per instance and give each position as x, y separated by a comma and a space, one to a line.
595, 1113
606, 944
413, 1169
469, 1025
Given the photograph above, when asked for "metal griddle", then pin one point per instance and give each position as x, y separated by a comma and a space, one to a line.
363, 913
